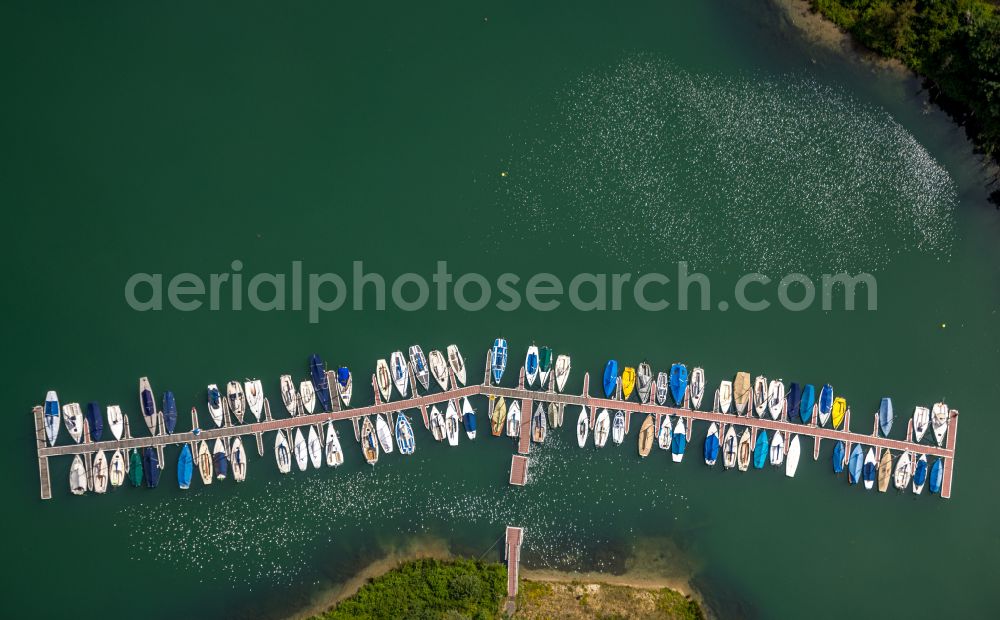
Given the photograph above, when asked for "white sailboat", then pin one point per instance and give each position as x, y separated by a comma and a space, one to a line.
457, 363
582, 427
563, 365
384, 434
725, 396
99, 473
697, 386
315, 448
792, 458
307, 396
439, 368
383, 380
775, 398
238, 460
255, 398
301, 450
921, 420
602, 428
116, 421
288, 395
116, 470
334, 454
452, 423
514, 419
400, 372
282, 453
939, 422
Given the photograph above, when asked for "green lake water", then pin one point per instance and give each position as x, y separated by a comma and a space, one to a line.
500, 137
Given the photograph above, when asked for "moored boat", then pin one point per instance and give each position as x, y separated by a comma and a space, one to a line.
514, 419
665, 432
901, 476
544, 367
697, 386
439, 368
777, 451
238, 460
679, 442
712, 445
936, 477
939, 422
921, 420
855, 465
438, 428
418, 364
314, 447
807, 403
468, 418
135, 468
335, 454
628, 382
452, 423
73, 421
320, 382
610, 378
885, 416
301, 449
884, 471
730, 448
237, 404
400, 373
775, 398
254, 391
539, 426
307, 396
169, 412
205, 462
383, 380
345, 385
147, 405
563, 365
761, 450
498, 359
369, 444
77, 476
498, 417
95, 422
185, 467
457, 363
869, 469
556, 414
792, 457
643, 382
678, 382
582, 427
531, 366
792, 401
839, 411
52, 417
839, 456
741, 391
760, 395
744, 451
602, 428
288, 395
920, 474
282, 453
116, 469
662, 388
116, 421
220, 460
384, 434
618, 428
825, 404
404, 434
99, 472
150, 468
215, 404
725, 396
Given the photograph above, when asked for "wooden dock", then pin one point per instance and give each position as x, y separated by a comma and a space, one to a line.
512, 554
528, 399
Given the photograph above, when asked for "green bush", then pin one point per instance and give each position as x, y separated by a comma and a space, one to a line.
429, 589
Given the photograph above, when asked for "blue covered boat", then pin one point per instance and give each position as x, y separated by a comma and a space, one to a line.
937, 474
169, 411
678, 442
838, 457
806, 406
317, 371
794, 396
610, 377
52, 417
469, 419
498, 359
855, 464
761, 450
185, 467
148, 405
95, 421
151, 467
870, 469
712, 446
220, 460
885, 416
825, 403
920, 475
678, 382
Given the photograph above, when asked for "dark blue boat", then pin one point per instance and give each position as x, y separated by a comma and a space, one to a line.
317, 369
469, 420
214, 398
826, 400
761, 450
838, 457
885, 416
95, 421
610, 378
869, 471
712, 448
343, 376
920, 474
794, 396
185, 467
151, 468
221, 464
937, 473
148, 406
169, 411
806, 406
855, 464
678, 382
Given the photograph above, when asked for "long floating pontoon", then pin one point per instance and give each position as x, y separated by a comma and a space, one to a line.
519, 465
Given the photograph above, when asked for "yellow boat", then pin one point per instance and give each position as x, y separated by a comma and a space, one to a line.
646, 436
839, 408
628, 382
499, 418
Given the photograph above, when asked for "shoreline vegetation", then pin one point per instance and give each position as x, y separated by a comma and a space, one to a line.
953, 45
476, 590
